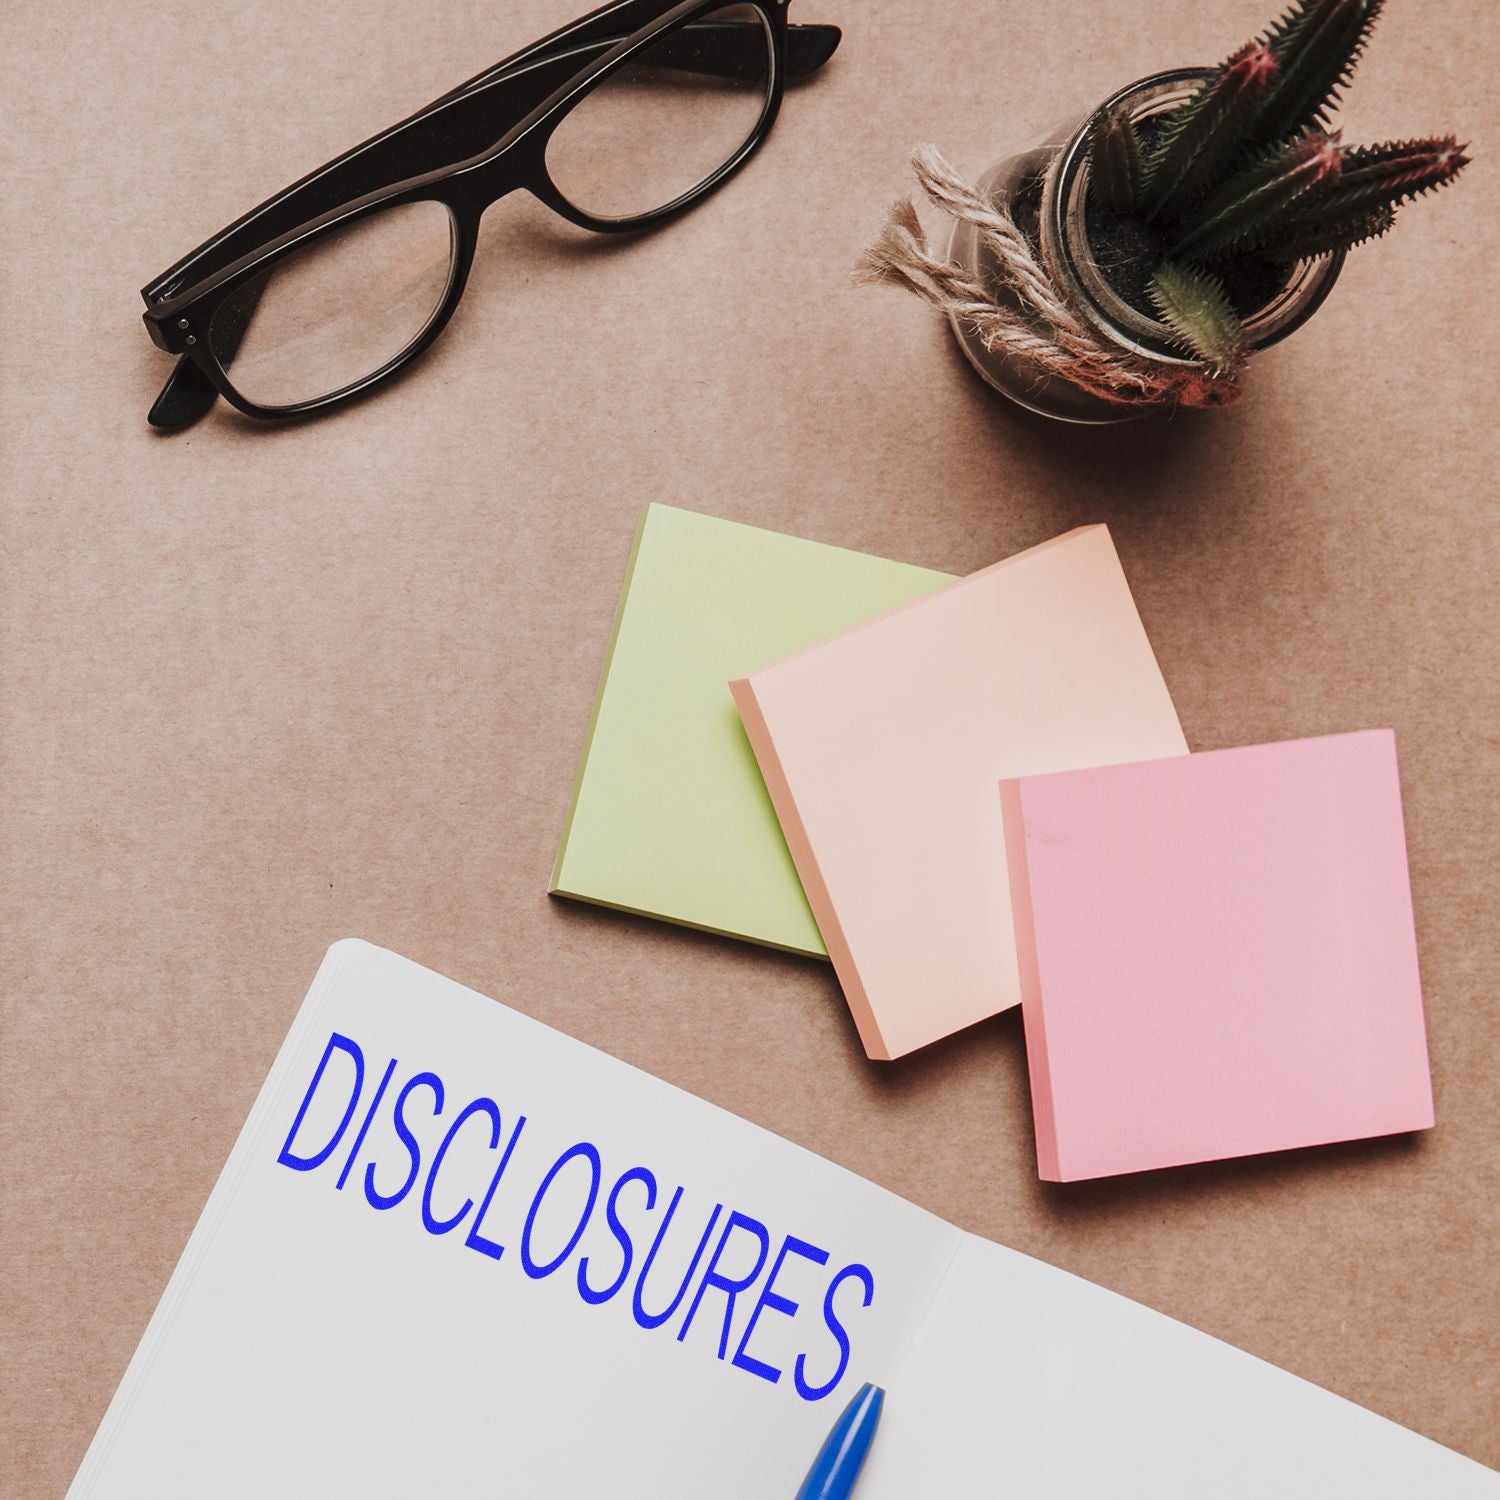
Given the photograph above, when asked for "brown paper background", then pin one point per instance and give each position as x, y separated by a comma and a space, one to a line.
264, 689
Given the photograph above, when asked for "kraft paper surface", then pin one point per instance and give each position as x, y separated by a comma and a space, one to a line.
262, 689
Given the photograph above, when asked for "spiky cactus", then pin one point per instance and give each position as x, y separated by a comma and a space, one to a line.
1247, 177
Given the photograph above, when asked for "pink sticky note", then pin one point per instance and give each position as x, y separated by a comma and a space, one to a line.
881, 747
1217, 955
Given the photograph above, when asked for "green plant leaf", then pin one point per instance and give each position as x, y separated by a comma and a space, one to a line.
1321, 237
1236, 214
1317, 45
1370, 180
1115, 164
1194, 305
1384, 176
1211, 129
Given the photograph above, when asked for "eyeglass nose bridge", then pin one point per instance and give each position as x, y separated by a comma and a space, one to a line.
479, 187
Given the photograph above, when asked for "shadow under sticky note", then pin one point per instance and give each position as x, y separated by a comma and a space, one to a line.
670, 817
882, 747
1218, 956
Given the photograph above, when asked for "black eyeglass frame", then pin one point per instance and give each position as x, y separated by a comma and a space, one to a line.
182, 302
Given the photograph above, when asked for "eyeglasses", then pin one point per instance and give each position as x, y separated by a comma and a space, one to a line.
619, 122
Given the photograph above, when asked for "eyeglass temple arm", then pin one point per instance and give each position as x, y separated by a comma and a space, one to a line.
354, 172
734, 54
808, 48
717, 49
735, 49
464, 123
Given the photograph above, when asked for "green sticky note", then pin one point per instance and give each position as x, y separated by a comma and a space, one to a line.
670, 817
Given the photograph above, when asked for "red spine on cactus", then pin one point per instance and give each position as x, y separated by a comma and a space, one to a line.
1386, 176
1261, 193
1209, 130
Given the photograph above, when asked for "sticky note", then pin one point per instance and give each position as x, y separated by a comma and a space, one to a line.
1218, 955
882, 748
669, 816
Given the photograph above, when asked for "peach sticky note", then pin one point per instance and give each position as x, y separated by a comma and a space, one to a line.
1217, 955
881, 748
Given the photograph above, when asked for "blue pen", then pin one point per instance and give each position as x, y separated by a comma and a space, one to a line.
842, 1455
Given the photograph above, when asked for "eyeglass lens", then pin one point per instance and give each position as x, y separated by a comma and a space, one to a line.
328, 315
669, 118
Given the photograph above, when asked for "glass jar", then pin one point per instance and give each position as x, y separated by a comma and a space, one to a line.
1044, 188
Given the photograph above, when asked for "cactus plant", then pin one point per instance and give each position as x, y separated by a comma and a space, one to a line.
1247, 177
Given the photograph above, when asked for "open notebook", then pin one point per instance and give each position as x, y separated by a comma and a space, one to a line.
455, 1252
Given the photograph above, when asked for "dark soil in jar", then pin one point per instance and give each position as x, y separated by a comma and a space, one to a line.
1127, 253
